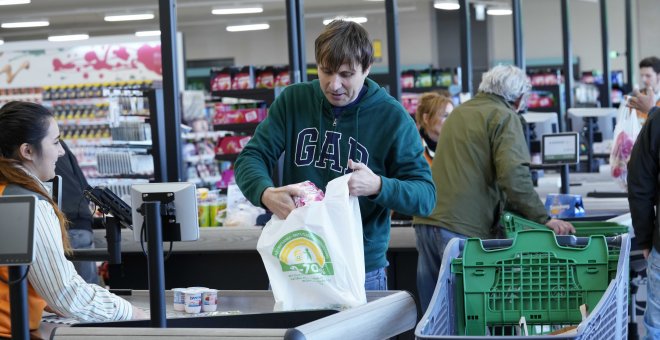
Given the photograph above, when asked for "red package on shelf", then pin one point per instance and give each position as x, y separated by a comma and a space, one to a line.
239, 116
243, 79
221, 80
231, 145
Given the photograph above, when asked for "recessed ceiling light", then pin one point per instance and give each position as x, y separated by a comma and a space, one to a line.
24, 24
147, 33
237, 10
129, 17
13, 2
70, 37
446, 5
498, 11
251, 27
359, 20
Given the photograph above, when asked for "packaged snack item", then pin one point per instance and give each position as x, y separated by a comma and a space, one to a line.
312, 193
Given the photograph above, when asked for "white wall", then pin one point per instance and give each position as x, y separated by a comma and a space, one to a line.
542, 34
418, 39
648, 28
269, 47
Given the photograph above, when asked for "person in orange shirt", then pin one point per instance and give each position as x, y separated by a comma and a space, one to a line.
29, 148
431, 113
649, 74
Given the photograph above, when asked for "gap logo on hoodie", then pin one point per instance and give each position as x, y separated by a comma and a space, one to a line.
329, 156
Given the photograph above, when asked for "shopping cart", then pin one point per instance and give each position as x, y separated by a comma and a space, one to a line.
543, 280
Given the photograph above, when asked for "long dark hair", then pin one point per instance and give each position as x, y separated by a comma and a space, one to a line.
23, 122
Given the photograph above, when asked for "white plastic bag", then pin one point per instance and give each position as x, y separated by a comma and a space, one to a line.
625, 133
315, 258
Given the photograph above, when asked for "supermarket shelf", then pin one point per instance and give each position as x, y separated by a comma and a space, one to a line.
243, 127
266, 95
196, 136
199, 158
423, 89
227, 157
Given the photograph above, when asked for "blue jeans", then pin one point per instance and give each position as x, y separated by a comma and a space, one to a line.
376, 280
431, 243
84, 239
652, 314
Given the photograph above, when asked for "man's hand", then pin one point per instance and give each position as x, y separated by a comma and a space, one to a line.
643, 102
280, 200
646, 253
560, 227
363, 182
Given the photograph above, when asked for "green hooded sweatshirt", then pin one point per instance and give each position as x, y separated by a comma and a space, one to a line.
376, 131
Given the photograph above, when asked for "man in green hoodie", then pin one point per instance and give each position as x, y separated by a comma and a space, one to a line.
343, 122
481, 166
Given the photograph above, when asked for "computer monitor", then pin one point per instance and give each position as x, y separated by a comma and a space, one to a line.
560, 148
605, 121
181, 222
17, 230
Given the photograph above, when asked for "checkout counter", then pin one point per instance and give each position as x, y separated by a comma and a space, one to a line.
225, 258
248, 314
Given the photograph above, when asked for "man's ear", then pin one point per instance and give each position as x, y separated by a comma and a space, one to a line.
366, 72
26, 152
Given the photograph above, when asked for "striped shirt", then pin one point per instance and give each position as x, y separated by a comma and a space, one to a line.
55, 279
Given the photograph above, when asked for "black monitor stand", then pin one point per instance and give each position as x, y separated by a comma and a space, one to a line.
153, 222
20, 329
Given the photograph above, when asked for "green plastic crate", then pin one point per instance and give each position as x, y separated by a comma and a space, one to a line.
535, 278
513, 224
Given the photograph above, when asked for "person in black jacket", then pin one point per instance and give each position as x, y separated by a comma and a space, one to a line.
644, 201
76, 208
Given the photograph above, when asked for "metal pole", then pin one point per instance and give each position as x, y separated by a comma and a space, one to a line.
158, 137
294, 45
167, 14
466, 46
156, 265
393, 61
606, 98
518, 46
629, 44
568, 83
302, 60
20, 329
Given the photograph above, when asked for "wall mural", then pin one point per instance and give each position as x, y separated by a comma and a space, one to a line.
81, 64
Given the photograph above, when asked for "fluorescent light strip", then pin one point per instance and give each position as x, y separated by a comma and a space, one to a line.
25, 24
359, 20
252, 27
13, 2
447, 6
237, 10
147, 33
71, 37
129, 17
498, 11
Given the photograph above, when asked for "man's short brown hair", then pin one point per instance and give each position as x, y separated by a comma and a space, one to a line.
652, 62
343, 42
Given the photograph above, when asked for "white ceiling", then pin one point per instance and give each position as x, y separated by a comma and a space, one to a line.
86, 16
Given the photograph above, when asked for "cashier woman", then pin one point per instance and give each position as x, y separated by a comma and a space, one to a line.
29, 148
